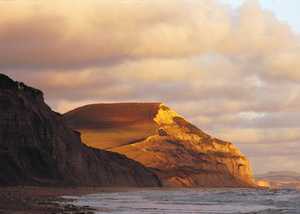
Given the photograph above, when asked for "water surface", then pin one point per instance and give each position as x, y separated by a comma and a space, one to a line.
183, 201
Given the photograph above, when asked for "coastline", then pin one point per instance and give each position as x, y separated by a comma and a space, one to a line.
60, 200
49, 200
43, 200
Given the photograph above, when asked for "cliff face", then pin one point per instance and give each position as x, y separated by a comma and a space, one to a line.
36, 147
156, 136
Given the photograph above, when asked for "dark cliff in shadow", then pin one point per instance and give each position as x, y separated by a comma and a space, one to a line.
37, 148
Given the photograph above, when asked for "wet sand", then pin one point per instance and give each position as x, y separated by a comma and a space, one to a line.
43, 200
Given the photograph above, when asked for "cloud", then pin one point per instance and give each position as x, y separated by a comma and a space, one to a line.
254, 135
266, 163
285, 65
232, 72
97, 33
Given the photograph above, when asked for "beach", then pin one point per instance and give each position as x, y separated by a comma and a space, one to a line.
45, 200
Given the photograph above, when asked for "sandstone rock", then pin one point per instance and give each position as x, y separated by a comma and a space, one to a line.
36, 147
159, 138
263, 183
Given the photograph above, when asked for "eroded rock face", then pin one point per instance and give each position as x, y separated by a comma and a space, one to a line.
36, 147
159, 138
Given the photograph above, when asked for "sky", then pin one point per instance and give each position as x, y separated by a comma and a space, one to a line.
285, 10
230, 67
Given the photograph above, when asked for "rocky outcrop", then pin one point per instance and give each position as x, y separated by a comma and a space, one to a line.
36, 147
159, 138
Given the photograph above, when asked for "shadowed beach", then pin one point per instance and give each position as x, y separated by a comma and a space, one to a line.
46, 200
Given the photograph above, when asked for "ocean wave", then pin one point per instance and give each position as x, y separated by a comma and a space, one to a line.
192, 201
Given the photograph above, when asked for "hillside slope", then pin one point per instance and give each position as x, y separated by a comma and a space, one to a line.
159, 138
36, 147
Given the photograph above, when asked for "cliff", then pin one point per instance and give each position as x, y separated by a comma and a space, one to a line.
156, 136
36, 147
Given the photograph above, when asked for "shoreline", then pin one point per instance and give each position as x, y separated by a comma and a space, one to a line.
43, 200
50, 200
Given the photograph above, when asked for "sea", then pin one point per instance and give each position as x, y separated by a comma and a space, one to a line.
183, 201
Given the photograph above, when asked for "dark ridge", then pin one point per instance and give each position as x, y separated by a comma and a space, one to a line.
6, 83
37, 147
